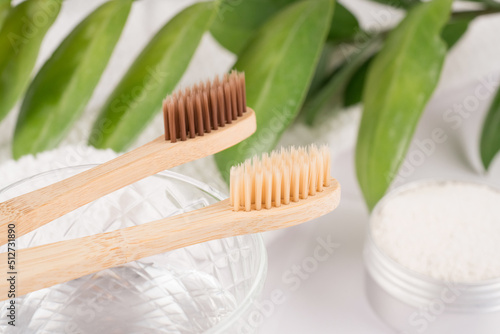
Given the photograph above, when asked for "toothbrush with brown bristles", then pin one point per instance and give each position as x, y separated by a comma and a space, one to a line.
283, 189
199, 122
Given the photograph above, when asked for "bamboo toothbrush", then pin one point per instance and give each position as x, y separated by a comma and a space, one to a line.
277, 191
206, 118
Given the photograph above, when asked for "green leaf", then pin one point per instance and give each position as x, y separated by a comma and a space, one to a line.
237, 20
344, 25
354, 90
279, 64
4, 10
454, 30
154, 74
59, 93
337, 83
490, 138
20, 38
400, 81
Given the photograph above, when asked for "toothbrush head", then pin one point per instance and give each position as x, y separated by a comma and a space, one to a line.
281, 177
204, 107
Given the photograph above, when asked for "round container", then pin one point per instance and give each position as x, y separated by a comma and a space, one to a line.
411, 303
204, 288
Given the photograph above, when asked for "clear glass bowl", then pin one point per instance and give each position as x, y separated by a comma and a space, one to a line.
205, 288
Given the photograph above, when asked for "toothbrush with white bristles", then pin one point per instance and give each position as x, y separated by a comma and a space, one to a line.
283, 189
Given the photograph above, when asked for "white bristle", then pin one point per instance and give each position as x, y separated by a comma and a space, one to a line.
277, 186
279, 178
258, 188
295, 183
319, 171
268, 188
325, 153
285, 183
312, 175
234, 194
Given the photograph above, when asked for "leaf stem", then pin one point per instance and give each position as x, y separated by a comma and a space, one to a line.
470, 14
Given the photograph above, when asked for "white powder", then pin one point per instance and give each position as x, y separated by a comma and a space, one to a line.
447, 230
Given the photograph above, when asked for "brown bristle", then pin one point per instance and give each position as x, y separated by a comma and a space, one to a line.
221, 106
204, 107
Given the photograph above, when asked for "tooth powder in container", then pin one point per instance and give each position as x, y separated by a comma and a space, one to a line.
432, 258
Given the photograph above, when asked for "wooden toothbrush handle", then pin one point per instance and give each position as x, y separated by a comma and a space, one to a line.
32, 210
44, 266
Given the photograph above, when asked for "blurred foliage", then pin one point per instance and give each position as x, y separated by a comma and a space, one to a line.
300, 56
62, 88
344, 25
238, 20
490, 138
402, 4
354, 89
397, 88
4, 10
334, 86
20, 38
454, 30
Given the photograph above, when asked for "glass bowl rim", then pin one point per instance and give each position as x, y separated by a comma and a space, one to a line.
261, 274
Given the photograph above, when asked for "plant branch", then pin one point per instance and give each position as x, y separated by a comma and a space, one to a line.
470, 14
